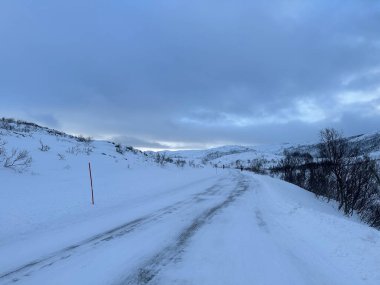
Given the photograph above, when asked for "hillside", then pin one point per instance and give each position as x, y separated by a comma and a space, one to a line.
156, 223
269, 155
55, 183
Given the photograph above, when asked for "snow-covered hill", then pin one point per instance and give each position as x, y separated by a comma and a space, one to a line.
268, 155
366, 143
163, 224
53, 150
229, 155
54, 187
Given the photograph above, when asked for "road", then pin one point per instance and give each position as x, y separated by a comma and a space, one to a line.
242, 229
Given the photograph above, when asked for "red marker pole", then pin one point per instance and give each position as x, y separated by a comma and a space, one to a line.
92, 189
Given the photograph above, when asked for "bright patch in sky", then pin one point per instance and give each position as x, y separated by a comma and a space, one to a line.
359, 97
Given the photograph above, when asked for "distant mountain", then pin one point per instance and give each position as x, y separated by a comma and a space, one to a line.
232, 156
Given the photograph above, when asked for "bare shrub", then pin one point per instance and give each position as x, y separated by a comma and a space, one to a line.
81, 138
2, 149
180, 163
87, 150
192, 163
18, 160
7, 123
124, 149
119, 148
162, 159
61, 156
257, 165
80, 149
43, 147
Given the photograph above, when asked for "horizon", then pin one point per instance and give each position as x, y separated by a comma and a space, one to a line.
143, 149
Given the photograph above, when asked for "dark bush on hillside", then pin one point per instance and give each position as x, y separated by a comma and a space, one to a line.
81, 138
123, 149
180, 162
257, 165
43, 147
162, 159
293, 167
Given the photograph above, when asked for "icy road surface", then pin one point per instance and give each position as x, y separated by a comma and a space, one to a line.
237, 228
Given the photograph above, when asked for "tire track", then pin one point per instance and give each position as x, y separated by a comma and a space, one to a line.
33, 266
148, 272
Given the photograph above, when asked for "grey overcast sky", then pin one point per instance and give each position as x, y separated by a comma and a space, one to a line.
192, 74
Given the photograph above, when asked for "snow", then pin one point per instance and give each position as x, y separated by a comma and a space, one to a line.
228, 155
270, 237
270, 154
169, 225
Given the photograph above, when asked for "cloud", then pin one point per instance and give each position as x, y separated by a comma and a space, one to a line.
359, 97
199, 73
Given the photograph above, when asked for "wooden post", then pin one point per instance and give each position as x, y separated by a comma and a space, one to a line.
92, 189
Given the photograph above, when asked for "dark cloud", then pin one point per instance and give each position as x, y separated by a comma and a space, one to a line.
178, 73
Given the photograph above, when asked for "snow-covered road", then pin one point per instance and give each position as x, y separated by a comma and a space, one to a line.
236, 229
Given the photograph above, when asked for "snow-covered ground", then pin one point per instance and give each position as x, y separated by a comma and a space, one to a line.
276, 233
168, 225
225, 228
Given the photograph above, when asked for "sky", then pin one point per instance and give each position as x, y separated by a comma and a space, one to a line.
192, 74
